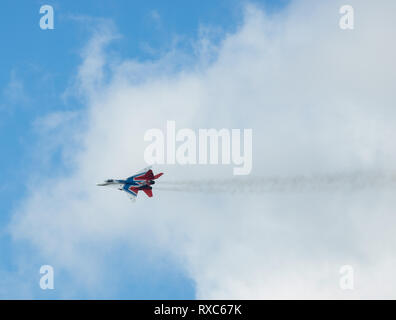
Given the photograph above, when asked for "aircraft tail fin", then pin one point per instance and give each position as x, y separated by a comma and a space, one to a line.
147, 176
158, 175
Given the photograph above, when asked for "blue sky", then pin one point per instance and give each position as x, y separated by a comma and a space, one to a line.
36, 68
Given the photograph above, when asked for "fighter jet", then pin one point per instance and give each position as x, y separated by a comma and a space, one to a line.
140, 181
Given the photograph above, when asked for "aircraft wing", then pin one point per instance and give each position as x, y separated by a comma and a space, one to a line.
140, 173
149, 192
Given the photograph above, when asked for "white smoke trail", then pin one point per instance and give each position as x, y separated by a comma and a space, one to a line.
340, 182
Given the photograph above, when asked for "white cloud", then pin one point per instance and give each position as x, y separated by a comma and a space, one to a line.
53, 121
14, 92
319, 100
155, 16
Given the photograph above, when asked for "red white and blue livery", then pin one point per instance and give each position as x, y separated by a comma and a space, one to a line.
132, 185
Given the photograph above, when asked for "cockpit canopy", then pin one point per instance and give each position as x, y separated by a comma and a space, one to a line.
109, 180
